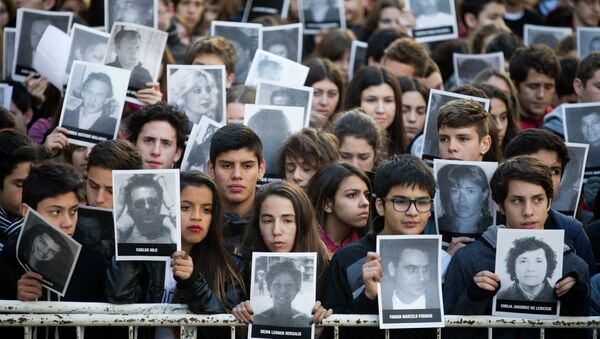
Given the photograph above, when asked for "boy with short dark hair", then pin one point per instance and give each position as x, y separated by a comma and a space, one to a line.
551, 150
522, 188
478, 13
236, 164
405, 189
54, 191
534, 71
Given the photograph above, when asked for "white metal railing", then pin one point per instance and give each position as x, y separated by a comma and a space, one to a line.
81, 315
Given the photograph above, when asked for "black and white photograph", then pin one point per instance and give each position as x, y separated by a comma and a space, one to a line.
582, 125
257, 8
198, 90
529, 263
358, 57
8, 51
6, 96
246, 38
463, 198
316, 15
138, 49
146, 214
271, 67
283, 40
31, 25
410, 293
139, 12
87, 44
269, 93
45, 249
197, 150
569, 190
95, 230
467, 66
94, 103
273, 124
283, 293
588, 40
435, 20
437, 98
544, 35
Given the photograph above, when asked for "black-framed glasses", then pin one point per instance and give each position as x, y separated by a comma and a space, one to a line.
403, 204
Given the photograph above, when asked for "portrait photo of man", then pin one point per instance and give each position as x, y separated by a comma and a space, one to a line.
140, 12
146, 212
283, 40
87, 45
246, 39
127, 48
582, 125
318, 14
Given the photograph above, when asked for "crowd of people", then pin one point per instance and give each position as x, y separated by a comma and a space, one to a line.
357, 172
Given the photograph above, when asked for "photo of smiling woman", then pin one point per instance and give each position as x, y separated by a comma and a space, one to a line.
530, 263
464, 196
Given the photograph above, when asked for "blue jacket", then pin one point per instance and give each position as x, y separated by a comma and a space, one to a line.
463, 297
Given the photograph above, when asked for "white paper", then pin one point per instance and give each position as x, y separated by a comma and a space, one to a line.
50, 59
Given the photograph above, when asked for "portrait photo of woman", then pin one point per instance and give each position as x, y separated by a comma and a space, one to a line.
198, 92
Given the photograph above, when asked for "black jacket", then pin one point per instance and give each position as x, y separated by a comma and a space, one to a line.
86, 285
129, 282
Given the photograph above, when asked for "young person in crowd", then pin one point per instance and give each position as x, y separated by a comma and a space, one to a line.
52, 189
534, 71
203, 274
377, 92
158, 131
328, 86
551, 150
284, 221
522, 188
405, 57
304, 152
236, 164
213, 50
414, 106
478, 13
503, 112
335, 45
340, 194
363, 142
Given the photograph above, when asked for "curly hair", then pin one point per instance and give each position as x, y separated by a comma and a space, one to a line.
530, 244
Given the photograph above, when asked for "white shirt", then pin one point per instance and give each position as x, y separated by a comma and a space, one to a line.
418, 304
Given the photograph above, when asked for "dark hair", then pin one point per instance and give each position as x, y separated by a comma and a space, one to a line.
408, 84
126, 34
380, 40
533, 140
16, 148
210, 256
315, 147
442, 55
512, 127
54, 269
241, 94
325, 183
469, 90
566, 45
479, 37
50, 179
216, 45
408, 51
505, 42
475, 7
451, 175
374, 76
20, 97
334, 44
539, 58
587, 67
523, 168
160, 111
115, 154
323, 69
137, 181
486, 74
529, 244
564, 83
7, 120
233, 138
356, 123
285, 266
404, 170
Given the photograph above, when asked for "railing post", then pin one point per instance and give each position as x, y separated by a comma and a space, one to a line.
132, 332
232, 329
80, 332
27, 332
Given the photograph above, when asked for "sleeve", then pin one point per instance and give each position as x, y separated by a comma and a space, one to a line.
576, 302
583, 248
457, 299
123, 282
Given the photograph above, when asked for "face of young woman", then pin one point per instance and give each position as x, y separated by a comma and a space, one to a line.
196, 213
379, 102
357, 152
277, 222
414, 109
500, 115
325, 97
351, 204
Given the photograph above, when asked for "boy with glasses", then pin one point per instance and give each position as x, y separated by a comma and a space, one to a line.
404, 187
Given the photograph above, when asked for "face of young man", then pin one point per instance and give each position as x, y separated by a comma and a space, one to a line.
492, 13
526, 205
462, 144
535, 94
98, 188
157, 142
60, 211
410, 221
550, 159
235, 173
398, 68
586, 12
12, 189
591, 91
